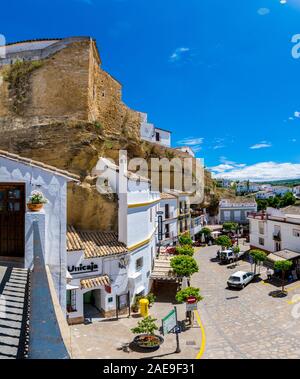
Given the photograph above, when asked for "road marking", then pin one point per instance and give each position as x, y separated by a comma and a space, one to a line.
295, 299
293, 288
203, 336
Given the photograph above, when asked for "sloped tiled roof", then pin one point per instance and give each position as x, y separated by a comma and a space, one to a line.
94, 243
95, 282
291, 209
43, 166
166, 195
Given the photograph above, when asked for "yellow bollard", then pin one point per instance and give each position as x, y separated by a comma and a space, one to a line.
144, 307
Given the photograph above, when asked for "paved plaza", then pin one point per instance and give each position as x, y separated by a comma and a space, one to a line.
239, 324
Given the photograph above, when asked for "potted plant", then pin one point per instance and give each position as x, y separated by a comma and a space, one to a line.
151, 298
36, 201
135, 305
146, 339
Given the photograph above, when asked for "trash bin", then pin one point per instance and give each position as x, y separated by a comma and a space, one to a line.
144, 307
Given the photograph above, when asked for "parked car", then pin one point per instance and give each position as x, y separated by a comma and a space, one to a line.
228, 256
240, 279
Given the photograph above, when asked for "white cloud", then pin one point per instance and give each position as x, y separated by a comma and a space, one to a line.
297, 114
190, 141
259, 171
261, 145
221, 168
179, 53
195, 143
216, 147
263, 11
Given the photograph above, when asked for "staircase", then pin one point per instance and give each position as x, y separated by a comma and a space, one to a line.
13, 311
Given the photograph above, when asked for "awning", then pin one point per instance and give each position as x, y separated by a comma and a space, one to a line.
283, 255
95, 282
274, 258
162, 270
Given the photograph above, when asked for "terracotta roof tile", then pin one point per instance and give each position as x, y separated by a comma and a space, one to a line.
166, 195
95, 282
94, 243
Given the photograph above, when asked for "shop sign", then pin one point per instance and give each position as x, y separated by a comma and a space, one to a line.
83, 269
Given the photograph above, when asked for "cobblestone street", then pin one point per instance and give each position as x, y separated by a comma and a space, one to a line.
238, 324
247, 323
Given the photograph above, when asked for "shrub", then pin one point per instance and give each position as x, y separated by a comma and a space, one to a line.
185, 239
184, 294
145, 326
224, 241
184, 265
185, 250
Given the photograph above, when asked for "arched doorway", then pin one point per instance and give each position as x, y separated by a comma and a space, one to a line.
92, 304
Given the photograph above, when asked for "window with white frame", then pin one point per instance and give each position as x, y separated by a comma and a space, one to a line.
261, 241
237, 215
226, 215
139, 264
261, 227
296, 232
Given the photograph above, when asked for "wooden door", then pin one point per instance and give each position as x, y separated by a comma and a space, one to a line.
12, 220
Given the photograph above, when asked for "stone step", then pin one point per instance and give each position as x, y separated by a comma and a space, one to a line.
13, 311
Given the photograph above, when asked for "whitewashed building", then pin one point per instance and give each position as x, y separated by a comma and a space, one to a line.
236, 210
296, 191
18, 178
151, 133
263, 195
122, 262
281, 190
168, 207
277, 231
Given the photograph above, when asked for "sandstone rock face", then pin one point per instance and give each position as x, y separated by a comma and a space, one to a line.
74, 114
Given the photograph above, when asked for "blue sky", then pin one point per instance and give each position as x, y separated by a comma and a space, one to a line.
219, 74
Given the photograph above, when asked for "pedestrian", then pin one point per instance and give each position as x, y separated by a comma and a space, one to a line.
269, 273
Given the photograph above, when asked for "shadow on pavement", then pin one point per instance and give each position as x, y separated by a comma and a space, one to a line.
278, 294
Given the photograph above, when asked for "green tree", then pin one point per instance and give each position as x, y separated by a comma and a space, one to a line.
184, 265
283, 266
236, 251
230, 226
184, 294
258, 257
224, 242
185, 239
146, 326
185, 250
287, 199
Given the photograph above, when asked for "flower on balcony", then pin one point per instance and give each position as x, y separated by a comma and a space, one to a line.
37, 197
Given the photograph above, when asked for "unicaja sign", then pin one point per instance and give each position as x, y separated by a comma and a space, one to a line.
296, 47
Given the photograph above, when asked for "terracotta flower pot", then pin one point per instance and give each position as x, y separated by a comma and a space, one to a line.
34, 207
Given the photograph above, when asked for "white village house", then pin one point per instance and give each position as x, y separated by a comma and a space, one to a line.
151, 133
107, 270
277, 232
168, 206
18, 178
236, 210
